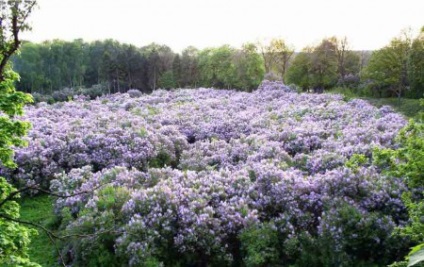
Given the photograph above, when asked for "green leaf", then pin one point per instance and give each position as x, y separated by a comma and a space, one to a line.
417, 255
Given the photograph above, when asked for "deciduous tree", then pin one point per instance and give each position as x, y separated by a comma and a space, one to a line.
249, 67
387, 70
276, 56
348, 61
324, 65
190, 67
300, 70
416, 67
14, 237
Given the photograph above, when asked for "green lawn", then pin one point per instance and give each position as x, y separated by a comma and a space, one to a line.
39, 210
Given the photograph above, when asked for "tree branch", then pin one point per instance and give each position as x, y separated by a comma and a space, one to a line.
70, 195
16, 28
53, 235
62, 260
37, 188
14, 194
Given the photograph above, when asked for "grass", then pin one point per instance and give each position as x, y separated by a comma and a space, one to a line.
39, 210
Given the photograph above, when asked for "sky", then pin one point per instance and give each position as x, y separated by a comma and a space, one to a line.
368, 24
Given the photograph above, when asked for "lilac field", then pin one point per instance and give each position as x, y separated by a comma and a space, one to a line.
199, 176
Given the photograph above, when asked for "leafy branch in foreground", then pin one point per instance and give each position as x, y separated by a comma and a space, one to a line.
14, 236
10, 213
408, 162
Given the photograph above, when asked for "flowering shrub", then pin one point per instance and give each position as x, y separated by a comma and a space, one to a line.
196, 177
193, 217
95, 134
134, 93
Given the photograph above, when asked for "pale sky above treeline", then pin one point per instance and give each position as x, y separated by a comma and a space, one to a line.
368, 24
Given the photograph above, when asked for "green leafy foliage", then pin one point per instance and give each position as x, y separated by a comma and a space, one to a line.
216, 67
395, 70
387, 69
276, 56
348, 239
300, 71
356, 161
11, 130
14, 237
416, 67
105, 215
260, 245
77, 65
408, 162
249, 67
167, 80
416, 256
324, 66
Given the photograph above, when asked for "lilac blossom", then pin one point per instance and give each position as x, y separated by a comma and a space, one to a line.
199, 167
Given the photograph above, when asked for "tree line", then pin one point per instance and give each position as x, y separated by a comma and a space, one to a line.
57, 64
110, 66
116, 67
396, 70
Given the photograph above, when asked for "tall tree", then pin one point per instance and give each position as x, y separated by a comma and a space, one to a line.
217, 68
387, 70
249, 67
14, 237
94, 53
324, 65
154, 68
300, 70
30, 64
177, 71
267, 56
159, 60
316, 67
190, 67
74, 58
276, 56
416, 66
282, 53
348, 61
341, 53
133, 59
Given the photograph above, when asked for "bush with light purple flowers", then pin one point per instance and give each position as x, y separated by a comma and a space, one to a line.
219, 178
134, 93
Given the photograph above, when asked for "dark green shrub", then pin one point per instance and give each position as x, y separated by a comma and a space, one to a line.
97, 249
260, 245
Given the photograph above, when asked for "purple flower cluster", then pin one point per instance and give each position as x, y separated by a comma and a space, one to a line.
200, 213
100, 134
196, 168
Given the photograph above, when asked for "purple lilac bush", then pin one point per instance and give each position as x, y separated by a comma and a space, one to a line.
218, 177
